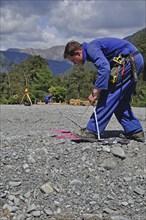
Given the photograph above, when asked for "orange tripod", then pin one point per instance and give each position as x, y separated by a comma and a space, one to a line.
26, 95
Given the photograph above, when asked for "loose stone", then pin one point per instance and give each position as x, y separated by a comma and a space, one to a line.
31, 208
15, 184
109, 164
48, 211
118, 151
139, 191
46, 188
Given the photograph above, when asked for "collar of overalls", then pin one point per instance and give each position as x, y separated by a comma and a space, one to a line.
84, 50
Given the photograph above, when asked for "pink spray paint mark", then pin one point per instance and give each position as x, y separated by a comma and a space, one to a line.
65, 134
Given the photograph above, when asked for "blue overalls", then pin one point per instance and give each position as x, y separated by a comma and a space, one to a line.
47, 98
114, 97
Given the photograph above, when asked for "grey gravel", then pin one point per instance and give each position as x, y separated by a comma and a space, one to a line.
44, 177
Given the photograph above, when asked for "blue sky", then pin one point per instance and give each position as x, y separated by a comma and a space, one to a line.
42, 24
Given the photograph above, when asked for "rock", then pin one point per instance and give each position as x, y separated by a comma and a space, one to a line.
25, 166
56, 189
107, 210
76, 182
11, 197
58, 211
124, 203
31, 159
127, 179
46, 188
118, 217
10, 208
48, 211
16, 201
118, 151
1, 202
15, 183
89, 216
36, 213
106, 149
31, 208
27, 195
20, 217
139, 191
109, 164
3, 194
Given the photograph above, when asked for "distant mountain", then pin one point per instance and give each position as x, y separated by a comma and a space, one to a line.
53, 53
53, 56
14, 56
59, 67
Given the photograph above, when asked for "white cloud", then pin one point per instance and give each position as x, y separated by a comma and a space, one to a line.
52, 37
42, 24
13, 21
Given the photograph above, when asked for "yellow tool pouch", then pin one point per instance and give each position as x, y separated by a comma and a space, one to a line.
114, 74
119, 62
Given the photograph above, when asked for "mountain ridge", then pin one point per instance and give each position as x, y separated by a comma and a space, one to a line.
55, 63
54, 55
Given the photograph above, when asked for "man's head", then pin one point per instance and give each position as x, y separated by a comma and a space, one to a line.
73, 52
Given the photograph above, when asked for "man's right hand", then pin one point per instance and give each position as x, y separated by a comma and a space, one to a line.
92, 99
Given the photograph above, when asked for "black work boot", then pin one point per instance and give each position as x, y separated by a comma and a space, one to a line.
84, 134
139, 136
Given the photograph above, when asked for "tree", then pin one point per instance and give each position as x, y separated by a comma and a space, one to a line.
79, 82
34, 74
58, 93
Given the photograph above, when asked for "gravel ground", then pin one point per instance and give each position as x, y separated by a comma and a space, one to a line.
44, 177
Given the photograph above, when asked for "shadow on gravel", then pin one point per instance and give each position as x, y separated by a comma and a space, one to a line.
108, 137
111, 134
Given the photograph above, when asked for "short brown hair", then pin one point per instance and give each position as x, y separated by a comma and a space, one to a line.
71, 47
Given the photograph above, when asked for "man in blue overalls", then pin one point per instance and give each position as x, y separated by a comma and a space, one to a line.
118, 65
47, 98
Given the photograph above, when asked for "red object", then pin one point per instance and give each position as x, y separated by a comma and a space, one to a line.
123, 70
65, 134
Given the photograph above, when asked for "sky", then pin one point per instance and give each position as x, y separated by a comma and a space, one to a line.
41, 24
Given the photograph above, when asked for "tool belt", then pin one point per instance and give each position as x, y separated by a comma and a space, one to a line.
119, 67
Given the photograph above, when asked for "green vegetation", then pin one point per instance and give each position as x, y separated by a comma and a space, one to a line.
79, 83
35, 74
139, 40
58, 93
139, 100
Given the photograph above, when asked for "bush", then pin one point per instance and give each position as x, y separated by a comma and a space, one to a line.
14, 99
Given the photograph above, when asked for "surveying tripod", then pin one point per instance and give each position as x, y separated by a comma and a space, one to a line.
26, 95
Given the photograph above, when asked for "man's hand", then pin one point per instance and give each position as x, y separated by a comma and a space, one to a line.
92, 99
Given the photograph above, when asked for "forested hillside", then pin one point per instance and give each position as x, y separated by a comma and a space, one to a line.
17, 56
35, 74
139, 40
